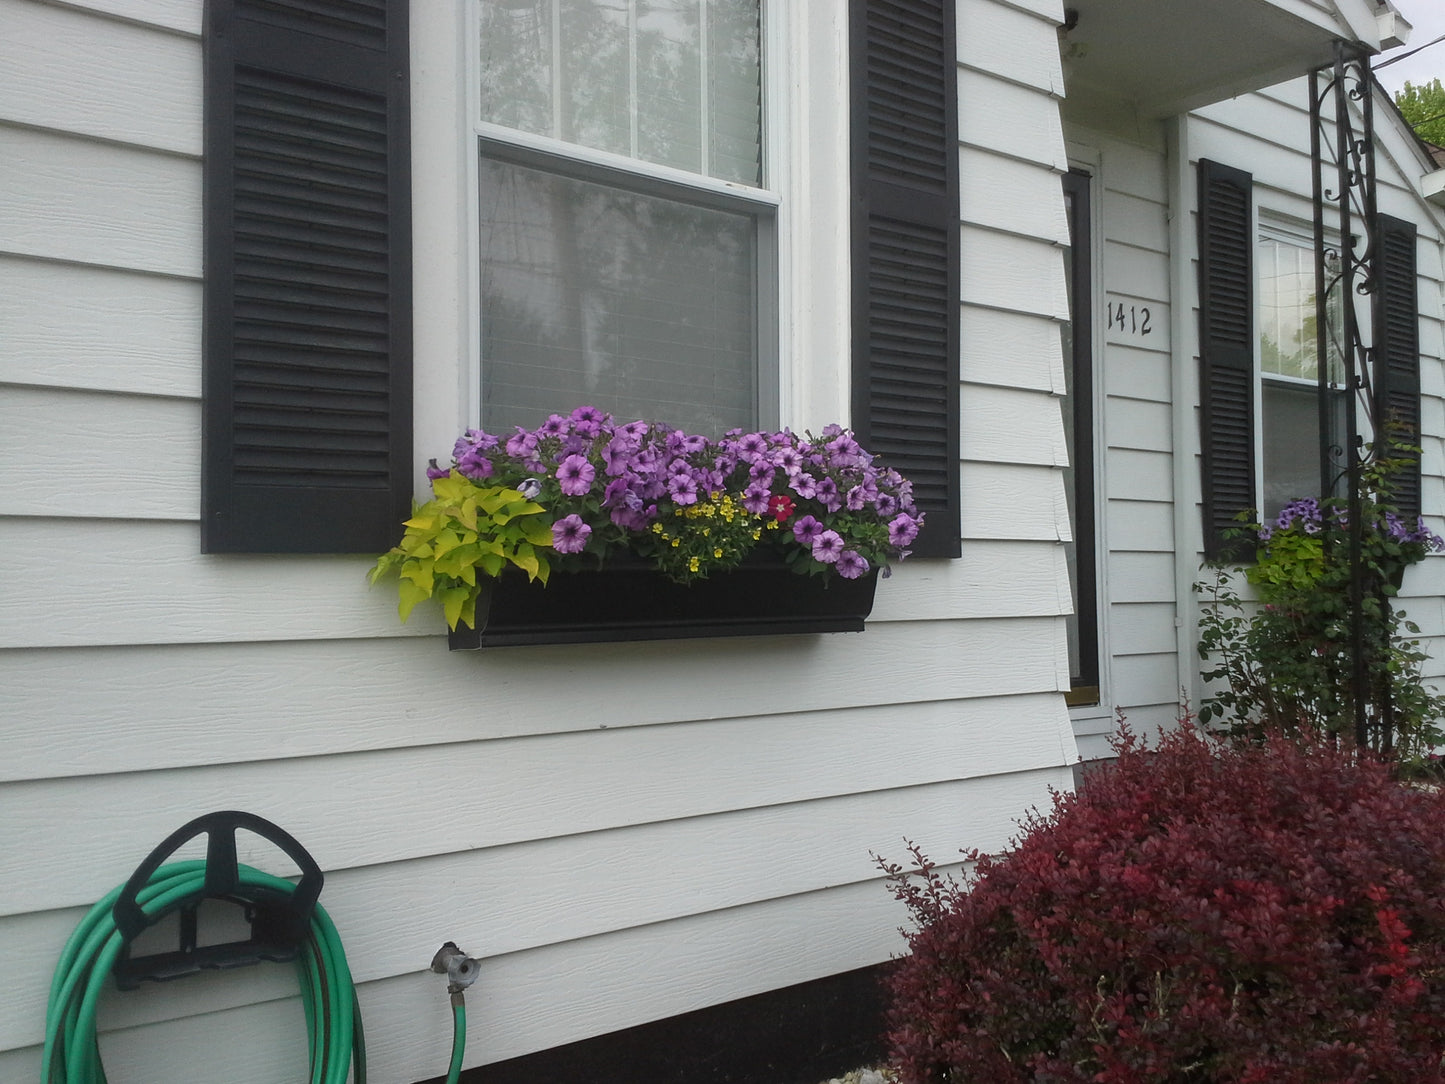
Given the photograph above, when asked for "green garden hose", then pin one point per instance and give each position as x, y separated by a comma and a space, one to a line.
459, 1037
333, 1019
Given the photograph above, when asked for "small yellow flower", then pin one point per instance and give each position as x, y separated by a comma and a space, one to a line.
717, 553
676, 542
692, 564
657, 528
757, 534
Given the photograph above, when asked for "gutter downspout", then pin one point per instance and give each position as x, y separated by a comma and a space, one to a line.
1183, 331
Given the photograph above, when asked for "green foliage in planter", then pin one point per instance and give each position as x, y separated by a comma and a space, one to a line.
465, 530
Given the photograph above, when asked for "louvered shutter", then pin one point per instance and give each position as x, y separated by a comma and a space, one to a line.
1226, 350
1397, 351
307, 423
905, 231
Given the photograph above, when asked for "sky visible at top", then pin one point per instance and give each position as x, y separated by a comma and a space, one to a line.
1428, 17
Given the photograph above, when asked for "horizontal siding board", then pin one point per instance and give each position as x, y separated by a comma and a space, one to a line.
1010, 43
1139, 273
1141, 425
183, 16
1007, 501
91, 203
1011, 349
133, 709
990, 579
562, 890
1019, 122
146, 583
1015, 426
79, 327
369, 808
1135, 221
1132, 169
1145, 679
45, 435
1141, 628
67, 70
1135, 373
1139, 475
1013, 196
1140, 525
1008, 272
1141, 577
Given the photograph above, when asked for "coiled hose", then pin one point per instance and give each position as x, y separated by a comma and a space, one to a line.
333, 1018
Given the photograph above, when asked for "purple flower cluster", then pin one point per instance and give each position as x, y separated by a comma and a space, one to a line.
606, 484
1309, 516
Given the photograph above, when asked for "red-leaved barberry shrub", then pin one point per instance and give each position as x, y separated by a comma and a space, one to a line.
1198, 913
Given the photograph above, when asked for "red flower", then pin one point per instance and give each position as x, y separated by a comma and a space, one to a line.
781, 506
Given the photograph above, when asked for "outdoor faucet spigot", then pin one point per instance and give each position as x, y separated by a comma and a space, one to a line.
460, 969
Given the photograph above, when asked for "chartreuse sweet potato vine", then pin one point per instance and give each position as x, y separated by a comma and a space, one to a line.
463, 529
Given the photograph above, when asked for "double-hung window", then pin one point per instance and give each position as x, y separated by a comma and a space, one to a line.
626, 239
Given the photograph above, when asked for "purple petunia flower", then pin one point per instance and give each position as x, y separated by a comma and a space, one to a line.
575, 475
755, 499
804, 485
475, 465
902, 530
885, 504
554, 426
570, 534
521, 444
827, 495
828, 547
806, 530
857, 498
433, 472
751, 446
851, 565
682, 488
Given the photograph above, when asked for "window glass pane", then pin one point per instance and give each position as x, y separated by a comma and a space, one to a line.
675, 82
640, 305
517, 42
1291, 444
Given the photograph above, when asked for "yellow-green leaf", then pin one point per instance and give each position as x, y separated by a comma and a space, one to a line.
452, 599
526, 560
410, 594
537, 531
420, 574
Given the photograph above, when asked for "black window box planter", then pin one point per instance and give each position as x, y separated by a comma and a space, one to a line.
631, 600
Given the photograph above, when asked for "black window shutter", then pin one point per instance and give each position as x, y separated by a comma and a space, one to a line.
905, 239
307, 420
1226, 351
1397, 351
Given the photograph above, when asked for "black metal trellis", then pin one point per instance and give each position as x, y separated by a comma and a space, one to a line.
1342, 149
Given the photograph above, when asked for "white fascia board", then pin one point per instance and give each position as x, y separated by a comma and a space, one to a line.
1432, 186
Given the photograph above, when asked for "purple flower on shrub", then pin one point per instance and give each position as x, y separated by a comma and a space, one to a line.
762, 472
902, 530
851, 565
751, 446
555, 426
806, 530
575, 475
885, 504
828, 547
857, 499
433, 472
570, 534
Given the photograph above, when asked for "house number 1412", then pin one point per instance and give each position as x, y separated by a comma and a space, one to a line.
1129, 319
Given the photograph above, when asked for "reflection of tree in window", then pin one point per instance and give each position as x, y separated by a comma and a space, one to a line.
1289, 365
641, 304
675, 82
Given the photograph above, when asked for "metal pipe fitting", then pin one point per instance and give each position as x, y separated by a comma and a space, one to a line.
460, 969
